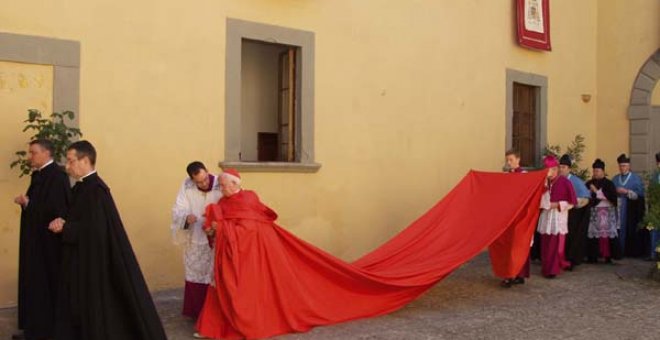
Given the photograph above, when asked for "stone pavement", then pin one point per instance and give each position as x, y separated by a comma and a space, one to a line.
593, 302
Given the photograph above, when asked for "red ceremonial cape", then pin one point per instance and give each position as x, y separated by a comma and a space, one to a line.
269, 282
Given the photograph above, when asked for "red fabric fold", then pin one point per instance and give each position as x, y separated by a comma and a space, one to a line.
268, 282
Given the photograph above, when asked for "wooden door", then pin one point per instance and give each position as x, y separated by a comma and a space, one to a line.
524, 138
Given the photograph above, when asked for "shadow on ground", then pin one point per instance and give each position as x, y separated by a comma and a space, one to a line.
592, 302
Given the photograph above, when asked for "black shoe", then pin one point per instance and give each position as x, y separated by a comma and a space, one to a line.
550, 276
18, 336
518, 281
608, 260
592, 260
506, 283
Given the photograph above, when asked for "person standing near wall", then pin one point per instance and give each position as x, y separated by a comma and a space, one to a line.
630, 189
558, 199
655, 234
603, 223
578, 217
102, 293
47, 198
512, 158
197, 191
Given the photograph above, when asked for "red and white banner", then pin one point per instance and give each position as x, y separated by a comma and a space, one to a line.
533, 24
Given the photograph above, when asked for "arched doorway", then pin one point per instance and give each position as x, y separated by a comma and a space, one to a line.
644, 116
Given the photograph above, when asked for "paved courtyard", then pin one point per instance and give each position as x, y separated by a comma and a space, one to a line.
592, 302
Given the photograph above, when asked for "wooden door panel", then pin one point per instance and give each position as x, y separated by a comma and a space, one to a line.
524, 123
287, 107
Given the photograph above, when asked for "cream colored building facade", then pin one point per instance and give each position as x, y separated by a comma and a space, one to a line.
397, 101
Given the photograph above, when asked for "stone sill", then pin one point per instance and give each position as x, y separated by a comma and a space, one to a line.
271, 166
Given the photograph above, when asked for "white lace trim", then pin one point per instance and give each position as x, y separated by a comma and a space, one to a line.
198, 263
191, 200
603, 222
553, 222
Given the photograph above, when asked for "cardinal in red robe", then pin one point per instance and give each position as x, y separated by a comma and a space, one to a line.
268, 282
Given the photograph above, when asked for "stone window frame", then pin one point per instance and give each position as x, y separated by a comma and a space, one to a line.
237, 31
531, 79
63, 55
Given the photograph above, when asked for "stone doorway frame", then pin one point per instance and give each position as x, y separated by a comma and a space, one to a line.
530, 79
640, 112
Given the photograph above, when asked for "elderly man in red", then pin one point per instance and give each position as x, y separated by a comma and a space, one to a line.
238, 222
268, 282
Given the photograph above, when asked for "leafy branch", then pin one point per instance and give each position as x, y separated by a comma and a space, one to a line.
53, 129
575, 150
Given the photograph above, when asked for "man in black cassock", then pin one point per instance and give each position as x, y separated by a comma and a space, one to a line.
578, 217
103, 294
603, 240
39, 249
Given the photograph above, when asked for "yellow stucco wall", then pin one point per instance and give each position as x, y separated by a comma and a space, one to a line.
409, 96
628, 34
22, 87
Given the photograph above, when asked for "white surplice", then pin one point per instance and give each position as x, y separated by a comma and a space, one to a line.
197, 254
